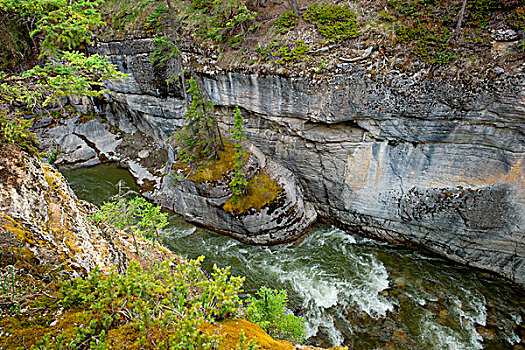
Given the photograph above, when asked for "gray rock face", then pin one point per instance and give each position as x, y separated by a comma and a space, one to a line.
283, 220
82, 144
434, 162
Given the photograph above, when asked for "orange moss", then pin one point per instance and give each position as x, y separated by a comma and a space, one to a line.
124, 337
231, 330
261, 191
212, 169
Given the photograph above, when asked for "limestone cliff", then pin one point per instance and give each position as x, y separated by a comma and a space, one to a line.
436, 162
40, 212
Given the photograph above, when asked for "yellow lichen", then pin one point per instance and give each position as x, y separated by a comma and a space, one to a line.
231, 330
20, 233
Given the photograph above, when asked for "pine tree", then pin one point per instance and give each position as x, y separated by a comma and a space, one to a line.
200, 138
239, 181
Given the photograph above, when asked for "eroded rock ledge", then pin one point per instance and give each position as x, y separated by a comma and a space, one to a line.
435, 162
282, 220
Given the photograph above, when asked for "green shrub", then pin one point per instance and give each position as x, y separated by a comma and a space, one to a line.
160, 307
286, 22
136, 216
284, 53
403, 7
334, 22
15, 130
430, 42
480, 11
270, 313
517, 18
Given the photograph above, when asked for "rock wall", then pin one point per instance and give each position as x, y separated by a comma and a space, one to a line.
436, 162
43, 213
283, 220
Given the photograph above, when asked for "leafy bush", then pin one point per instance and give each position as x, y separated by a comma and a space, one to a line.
286, 22
55, 24
161, 307
67, 24
270, 313
136, 216
334, 22
15, 130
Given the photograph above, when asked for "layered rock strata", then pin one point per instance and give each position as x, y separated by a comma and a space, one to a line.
435, 162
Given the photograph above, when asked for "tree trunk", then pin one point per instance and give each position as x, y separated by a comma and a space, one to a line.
461, 15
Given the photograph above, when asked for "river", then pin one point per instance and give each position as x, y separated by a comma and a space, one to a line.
352, 290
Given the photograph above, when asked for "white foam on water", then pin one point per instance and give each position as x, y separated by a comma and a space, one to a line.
320, 291
366, 293
181, 232
437, 336
471, 311
508, 331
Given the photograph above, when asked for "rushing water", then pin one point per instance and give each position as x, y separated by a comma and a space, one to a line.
352, 290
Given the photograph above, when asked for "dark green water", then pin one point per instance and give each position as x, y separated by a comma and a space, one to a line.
352, 290
97, 184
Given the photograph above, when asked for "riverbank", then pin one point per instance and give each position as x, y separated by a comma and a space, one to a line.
57, 264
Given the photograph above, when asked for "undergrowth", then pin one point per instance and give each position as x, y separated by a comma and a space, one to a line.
159, 307
286, 22
336, 23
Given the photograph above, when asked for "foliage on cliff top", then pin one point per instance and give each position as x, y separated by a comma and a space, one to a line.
336, 23
405, 35
41, 63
